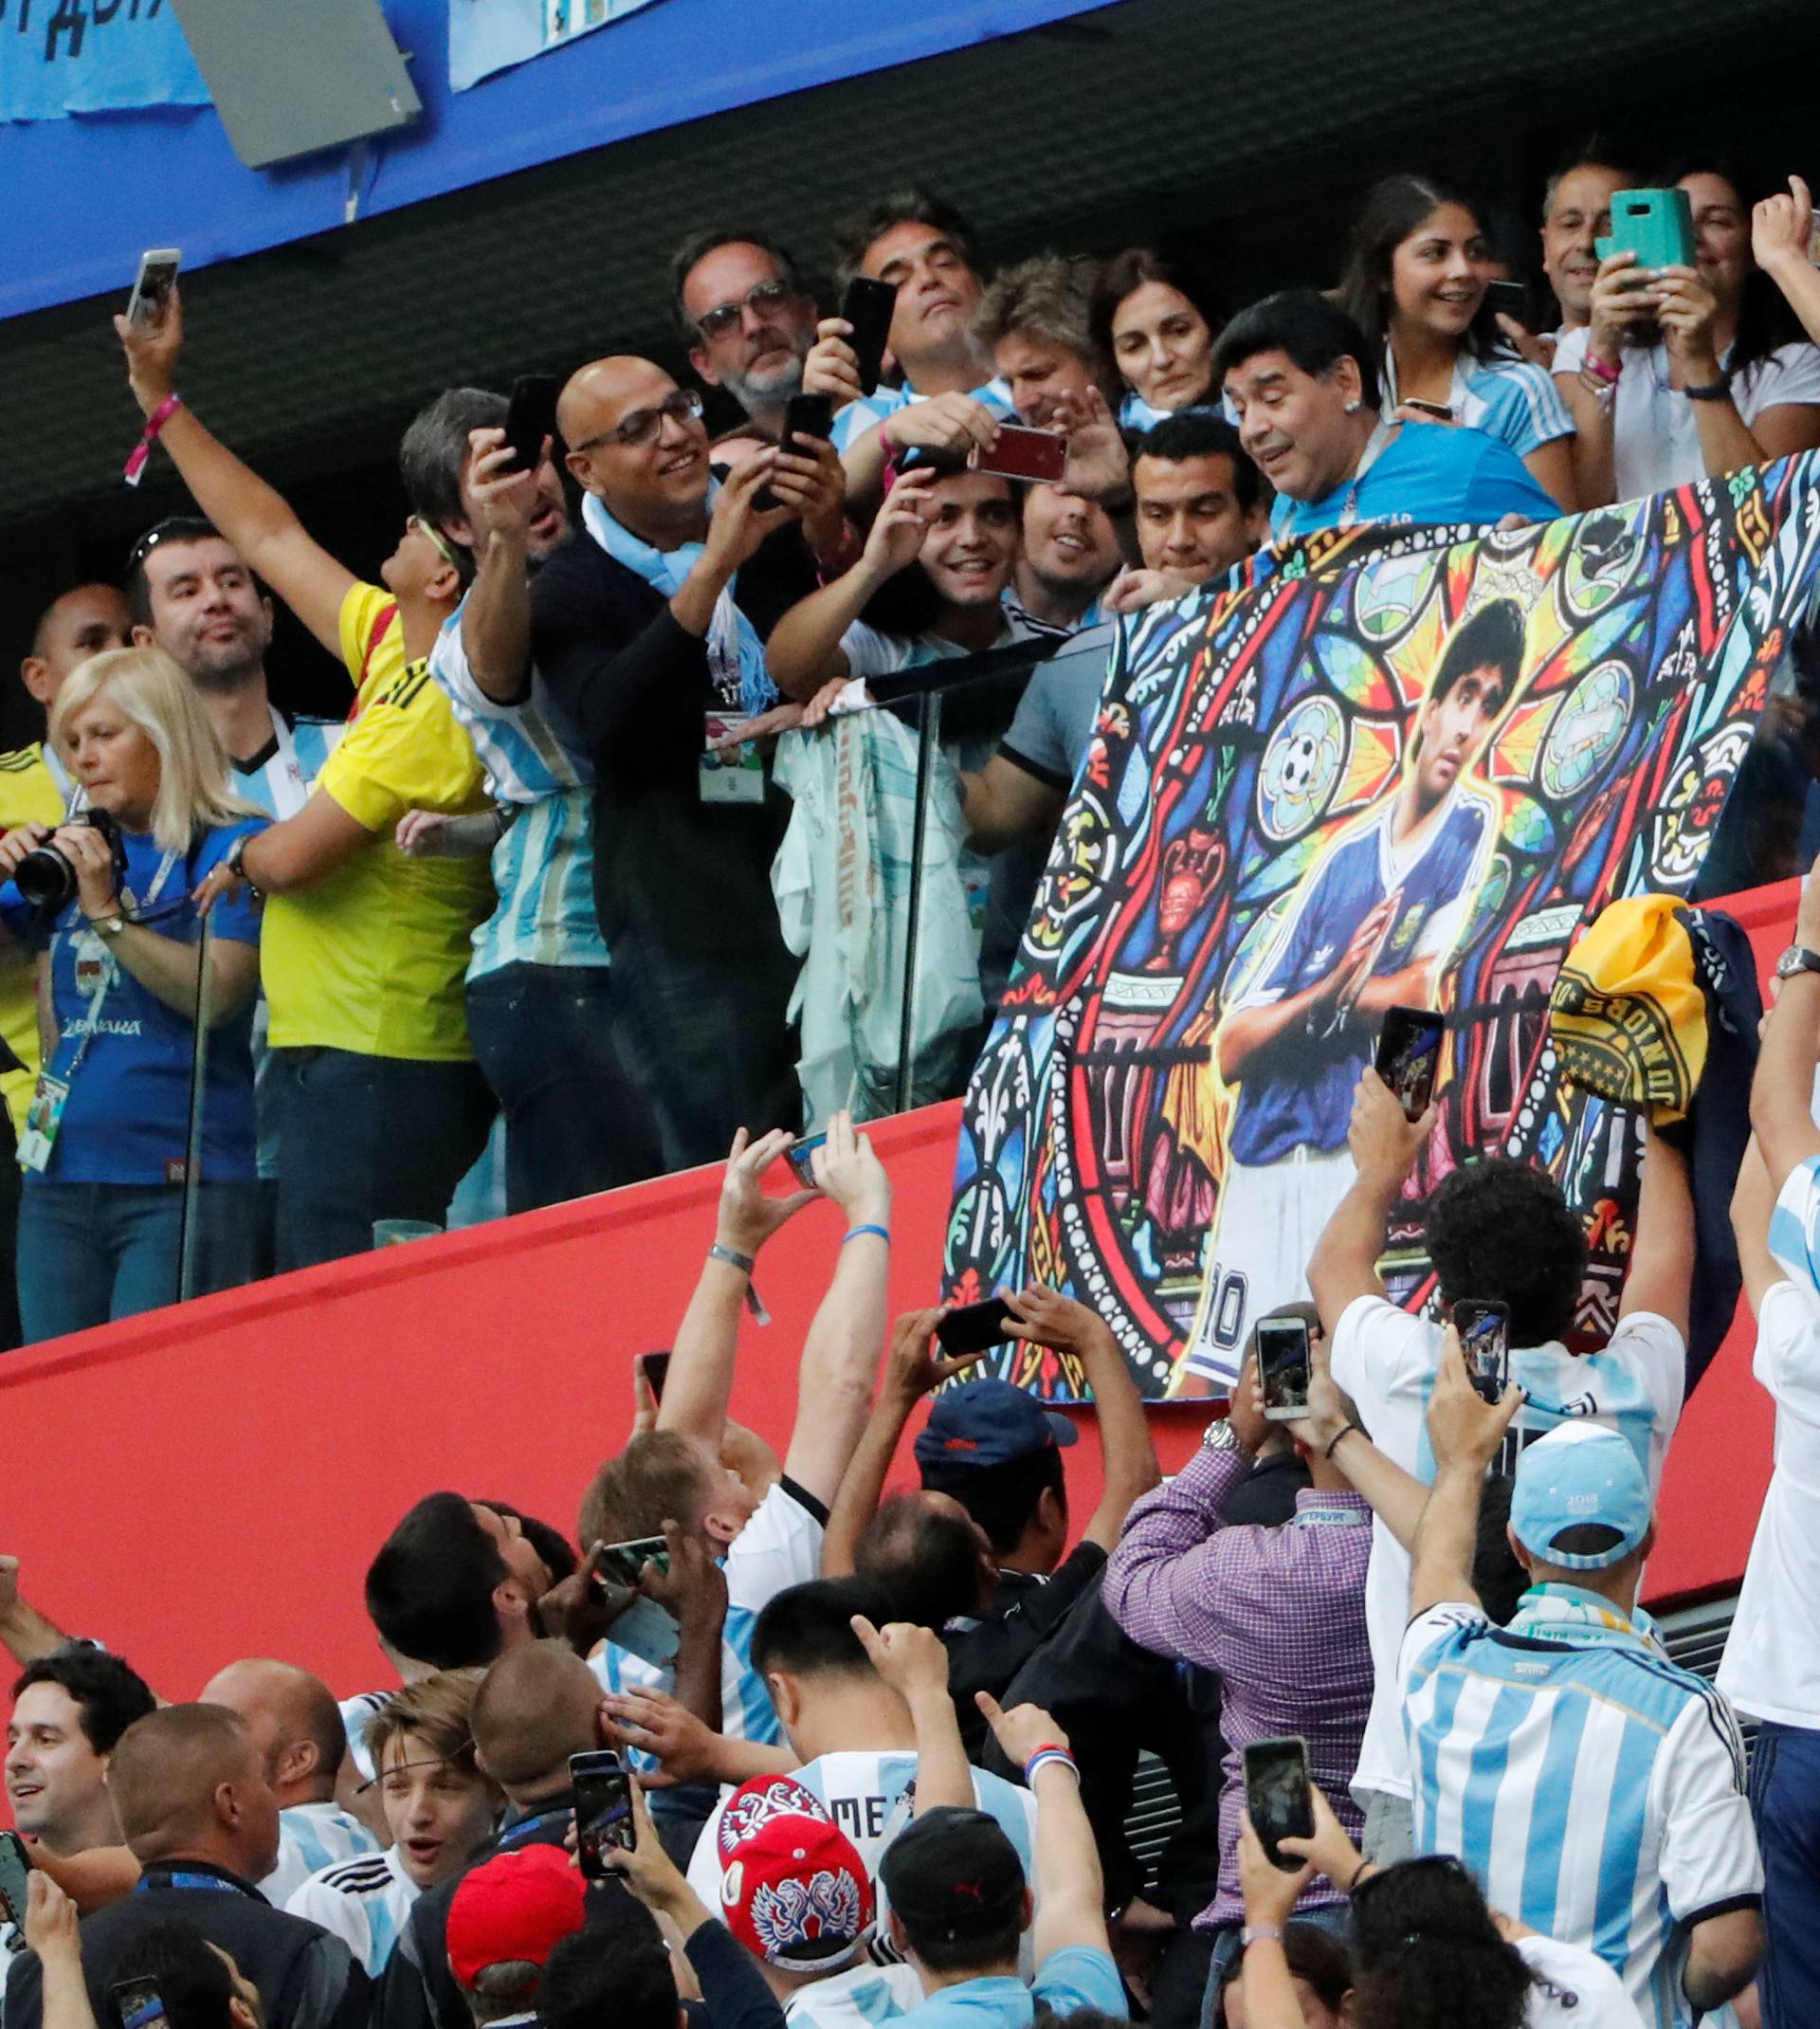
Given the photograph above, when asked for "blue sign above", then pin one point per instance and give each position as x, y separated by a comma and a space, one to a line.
58, 57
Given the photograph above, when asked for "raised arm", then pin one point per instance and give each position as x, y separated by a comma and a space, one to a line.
913, 1661
1466, 1432
1782, 1091
495, 615
1385, 1147
1781, 231
701, 1376
254, 518
1661, 1275
1071, 1889
840, 1354
1044, 1317
29, 1634
1752, 1206
1330, 1429
52, 1932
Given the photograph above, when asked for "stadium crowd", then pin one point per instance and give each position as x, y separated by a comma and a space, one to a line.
762, 1741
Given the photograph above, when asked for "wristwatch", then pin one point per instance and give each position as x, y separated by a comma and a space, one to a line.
1219, 1435
1797, 957
112, 925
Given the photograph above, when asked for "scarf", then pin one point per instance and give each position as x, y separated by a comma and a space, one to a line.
735, 655
1580, 1619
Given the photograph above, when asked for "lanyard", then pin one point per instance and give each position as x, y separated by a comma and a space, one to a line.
1375, 444
110, 965
214, 1883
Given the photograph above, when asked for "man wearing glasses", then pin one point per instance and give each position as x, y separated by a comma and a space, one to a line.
748, 324
648, 630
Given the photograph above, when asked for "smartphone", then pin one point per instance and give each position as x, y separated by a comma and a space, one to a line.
604, 1821
151, 288
531, 418
656, 1370
974, 1326
623, 1562
1511, 298
1275, 1795
15, 1871
808, 416
1283, 1368
1020, 453
797, 1156
1440, 410
1485, 1337
139, 2001
869, 307
1409, 1057
1656, 225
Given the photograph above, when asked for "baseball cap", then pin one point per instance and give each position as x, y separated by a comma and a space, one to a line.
988, 1423
952, 1874
794, 1888
516, 1906
1579, 1474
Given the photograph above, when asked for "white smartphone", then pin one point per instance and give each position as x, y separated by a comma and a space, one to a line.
158, 267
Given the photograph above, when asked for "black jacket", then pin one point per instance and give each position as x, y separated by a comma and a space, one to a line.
306, 1979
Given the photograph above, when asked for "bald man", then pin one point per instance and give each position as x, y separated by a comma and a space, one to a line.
537, 1706
295, 1726
192, 1794
649, 630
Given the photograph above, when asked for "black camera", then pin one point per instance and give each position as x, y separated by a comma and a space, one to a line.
47, 880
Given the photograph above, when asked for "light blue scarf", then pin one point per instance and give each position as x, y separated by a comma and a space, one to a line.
735, 655
1571, 1613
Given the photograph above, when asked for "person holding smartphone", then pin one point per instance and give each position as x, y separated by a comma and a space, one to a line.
740, 308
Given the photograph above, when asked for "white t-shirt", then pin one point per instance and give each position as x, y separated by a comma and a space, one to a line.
1772, 1665
863, 1994
1655, 433
1387, 1359
1574, 1989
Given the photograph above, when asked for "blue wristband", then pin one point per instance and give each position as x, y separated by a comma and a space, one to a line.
881, 1231
1043, 1756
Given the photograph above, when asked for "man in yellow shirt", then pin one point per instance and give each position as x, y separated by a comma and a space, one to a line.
380, 1108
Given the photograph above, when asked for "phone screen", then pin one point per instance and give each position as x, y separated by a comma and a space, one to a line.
797, 1156
140, 2003
623, 1562
15, 1871
604, 1821
152, 289
531, 418
1283, 1366
1409, 1055
1275, 1795
869, 307
974, 1326
1018, 453
1485, 1337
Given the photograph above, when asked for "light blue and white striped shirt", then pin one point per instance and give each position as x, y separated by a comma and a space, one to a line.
863, 1994
543, 866
779, 1546
365, 1903
860, 415
1503, 397
281, 779
1595, 1789
310, 1837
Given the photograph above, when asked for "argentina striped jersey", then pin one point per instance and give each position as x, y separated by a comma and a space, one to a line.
365, 1903
312, 1836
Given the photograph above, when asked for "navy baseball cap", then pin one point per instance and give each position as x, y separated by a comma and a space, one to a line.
989, 1423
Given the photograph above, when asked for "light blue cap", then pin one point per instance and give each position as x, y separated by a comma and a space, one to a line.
1579, 1474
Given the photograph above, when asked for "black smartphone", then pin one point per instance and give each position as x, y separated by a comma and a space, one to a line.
15, 1871
974, 1326
1283, 1368
604, 1820
869, 307
1409, 1057
797, 1156
1485, 1337
623, 1562
1275, 1795
1511, 298
139, 2001
656, 1370
531, 418
808, 416
152, 286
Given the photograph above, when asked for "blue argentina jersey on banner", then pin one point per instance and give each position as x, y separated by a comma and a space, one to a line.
365, 1903
859, 416
310, 1837
1596, 1791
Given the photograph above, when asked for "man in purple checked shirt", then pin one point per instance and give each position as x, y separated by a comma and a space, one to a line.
1278, 1613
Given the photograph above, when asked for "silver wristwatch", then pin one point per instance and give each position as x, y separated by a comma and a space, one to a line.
1219, 1435
1797, 957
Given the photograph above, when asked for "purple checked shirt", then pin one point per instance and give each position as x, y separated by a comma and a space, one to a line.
1278, 1613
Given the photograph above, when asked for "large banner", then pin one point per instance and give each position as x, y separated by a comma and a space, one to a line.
58, 57
489, 35
1399, 767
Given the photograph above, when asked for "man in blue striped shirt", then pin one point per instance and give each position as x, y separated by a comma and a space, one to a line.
1595, 1787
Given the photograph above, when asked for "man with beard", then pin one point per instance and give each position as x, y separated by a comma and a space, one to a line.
748, 324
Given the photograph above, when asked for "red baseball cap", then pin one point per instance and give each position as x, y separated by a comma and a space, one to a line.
516, 1906
794, 1888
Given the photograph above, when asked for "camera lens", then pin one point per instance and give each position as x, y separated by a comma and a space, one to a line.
46, 879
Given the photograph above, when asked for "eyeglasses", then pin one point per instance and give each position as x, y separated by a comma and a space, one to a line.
762, 300
460, 561
683, 406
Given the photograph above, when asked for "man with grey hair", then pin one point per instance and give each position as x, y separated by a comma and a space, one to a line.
748, 324
1034, 321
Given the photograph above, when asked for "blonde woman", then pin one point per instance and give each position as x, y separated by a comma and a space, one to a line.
103, 1150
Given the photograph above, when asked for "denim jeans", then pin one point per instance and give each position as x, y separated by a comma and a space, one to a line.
92, 1251
546, 1038
366, 1138
1785, 1801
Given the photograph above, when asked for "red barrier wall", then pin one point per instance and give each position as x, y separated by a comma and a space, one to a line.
211, 1482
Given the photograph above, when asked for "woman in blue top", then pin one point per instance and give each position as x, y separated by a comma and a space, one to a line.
103, 1149
1415, 283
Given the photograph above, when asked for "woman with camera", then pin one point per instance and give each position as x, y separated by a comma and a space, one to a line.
108, 903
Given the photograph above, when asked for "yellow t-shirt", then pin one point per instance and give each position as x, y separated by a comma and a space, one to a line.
29, 794
371, 958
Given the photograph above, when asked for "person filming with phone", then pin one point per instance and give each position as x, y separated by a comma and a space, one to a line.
108, 903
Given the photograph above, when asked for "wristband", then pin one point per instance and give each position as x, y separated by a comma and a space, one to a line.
1715, 391
732, 1257
1259, 1933
1356, 1873
882, 1232
136, 462
1591, 363
1043, 1757
1345, 1431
